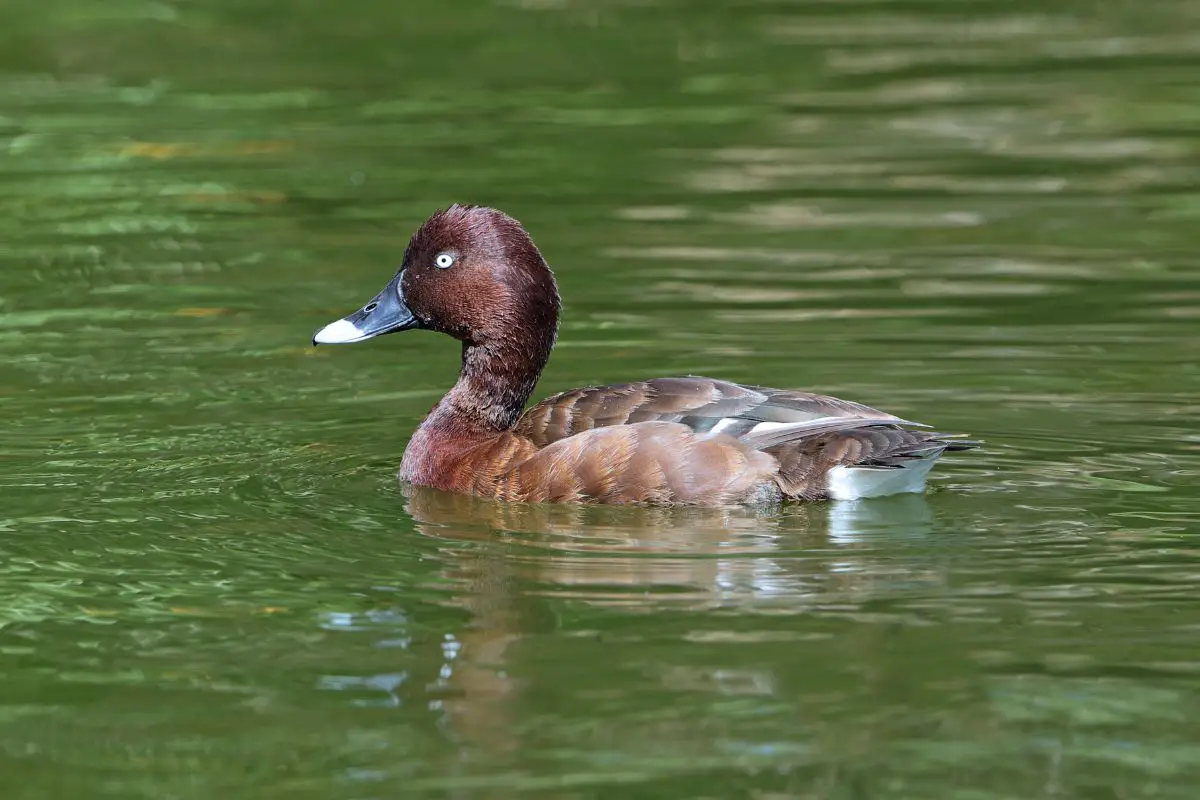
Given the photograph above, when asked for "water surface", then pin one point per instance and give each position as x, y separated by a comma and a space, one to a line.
982, 216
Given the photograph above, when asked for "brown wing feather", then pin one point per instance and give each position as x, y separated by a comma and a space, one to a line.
676, 439
647, 462
699, 403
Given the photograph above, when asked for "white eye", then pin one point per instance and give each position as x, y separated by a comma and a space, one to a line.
443, 261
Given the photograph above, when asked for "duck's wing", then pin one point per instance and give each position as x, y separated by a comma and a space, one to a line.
757, 415
822, 446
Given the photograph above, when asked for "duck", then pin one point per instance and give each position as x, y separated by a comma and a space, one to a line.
474, 273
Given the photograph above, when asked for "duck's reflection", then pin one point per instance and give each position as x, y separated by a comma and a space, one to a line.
636, 559
637, 556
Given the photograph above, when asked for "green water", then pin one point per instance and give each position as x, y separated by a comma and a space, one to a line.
979, 215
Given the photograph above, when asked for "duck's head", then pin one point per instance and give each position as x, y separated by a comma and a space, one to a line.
470, 272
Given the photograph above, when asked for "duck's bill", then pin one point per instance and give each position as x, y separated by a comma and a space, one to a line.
386, 313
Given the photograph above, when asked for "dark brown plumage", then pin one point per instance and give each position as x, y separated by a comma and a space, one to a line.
474, 274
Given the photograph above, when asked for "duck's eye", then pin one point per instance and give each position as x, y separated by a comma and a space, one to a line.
443, 261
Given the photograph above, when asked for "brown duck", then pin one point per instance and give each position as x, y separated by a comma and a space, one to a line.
474, 273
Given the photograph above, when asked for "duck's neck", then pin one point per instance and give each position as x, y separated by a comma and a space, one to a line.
493, 387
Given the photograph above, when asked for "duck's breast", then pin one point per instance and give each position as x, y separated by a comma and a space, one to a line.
457, 462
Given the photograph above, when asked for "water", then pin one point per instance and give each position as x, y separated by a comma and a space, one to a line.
979, 215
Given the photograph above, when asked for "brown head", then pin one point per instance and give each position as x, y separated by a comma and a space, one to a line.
473, 273
470, 272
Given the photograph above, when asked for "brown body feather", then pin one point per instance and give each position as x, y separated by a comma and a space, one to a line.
654, 442
646, 462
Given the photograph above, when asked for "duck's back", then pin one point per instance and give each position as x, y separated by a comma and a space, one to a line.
701, 440
705, 405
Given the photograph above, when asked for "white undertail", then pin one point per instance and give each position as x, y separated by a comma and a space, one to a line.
856, 483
